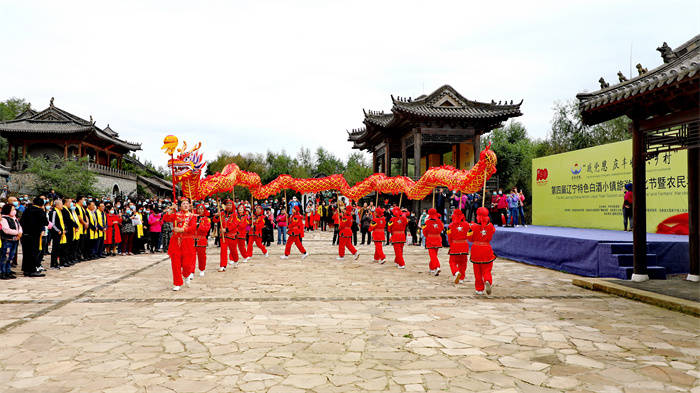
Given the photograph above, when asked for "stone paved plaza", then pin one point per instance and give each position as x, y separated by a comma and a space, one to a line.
322, 325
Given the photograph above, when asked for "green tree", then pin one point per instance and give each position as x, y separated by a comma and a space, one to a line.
304, 164
9, 109
569, 133
515, 151
357, 168
68, 178
327, 163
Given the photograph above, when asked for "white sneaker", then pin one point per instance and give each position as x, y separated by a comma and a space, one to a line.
187, 281
191, 276
383, 261
357, 255
437, 272
284, 257
402, 267
457, 277
176, 288
306, 254
479, 292
201, 274
267, 254
487, 286
339, 258
222, 269
246, 259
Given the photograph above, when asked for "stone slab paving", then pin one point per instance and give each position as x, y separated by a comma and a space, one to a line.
322, 325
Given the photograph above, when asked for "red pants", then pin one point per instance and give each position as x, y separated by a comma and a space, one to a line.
482, 272
434, 261
294, 240
230, 245
258, 242
182, 265
398, 250
458, 263
201, 258
379, 251
345, 242
242, 248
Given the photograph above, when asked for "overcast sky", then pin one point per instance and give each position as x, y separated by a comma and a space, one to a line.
263, 75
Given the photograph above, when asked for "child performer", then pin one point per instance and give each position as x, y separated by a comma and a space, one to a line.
433, 239
459, 248
227, 235
397, 227
296, 232
241, 229
482, 256
377, 228
345, 226
255, 234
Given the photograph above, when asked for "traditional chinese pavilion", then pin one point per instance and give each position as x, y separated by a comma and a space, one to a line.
54, 131
664, 105
443, 127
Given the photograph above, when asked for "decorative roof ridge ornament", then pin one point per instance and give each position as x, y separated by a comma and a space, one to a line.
603, 83
621, 77
51, 102
641, 70
667, 53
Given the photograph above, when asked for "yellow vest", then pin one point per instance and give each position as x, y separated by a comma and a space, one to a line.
100, 222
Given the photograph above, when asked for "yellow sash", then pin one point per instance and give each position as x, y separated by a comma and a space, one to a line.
100, 222
139, 228
91, 219
63, 226
80, 215
77, 231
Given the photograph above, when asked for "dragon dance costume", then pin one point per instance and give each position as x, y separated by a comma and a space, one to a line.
181, 249
397, 227
482, 255
200, 240
457, 234
345, 228
255, 234
433, 239
377, 228
296, 233
228, 221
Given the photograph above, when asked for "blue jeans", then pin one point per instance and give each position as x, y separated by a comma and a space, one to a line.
7, 253
521, 210
281, 235
513, 215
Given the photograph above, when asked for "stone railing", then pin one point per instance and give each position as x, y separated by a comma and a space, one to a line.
107, 171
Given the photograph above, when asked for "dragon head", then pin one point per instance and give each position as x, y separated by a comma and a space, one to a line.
188, 163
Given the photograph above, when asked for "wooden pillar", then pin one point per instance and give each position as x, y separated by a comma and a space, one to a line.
694, 213
639, 204
404, 159
387, 158
416, 153
24, 150
374, 161
477, 147
9, 151
65, 150
455, 155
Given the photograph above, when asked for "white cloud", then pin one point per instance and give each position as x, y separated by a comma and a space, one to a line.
256, 76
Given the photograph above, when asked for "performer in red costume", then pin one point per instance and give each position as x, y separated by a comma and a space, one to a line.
295, 232
255, 234
227, 234
377, 228
345, 227
397, 227
241, 230
181, 249
201, 240
459, 248
433, 239
482, 256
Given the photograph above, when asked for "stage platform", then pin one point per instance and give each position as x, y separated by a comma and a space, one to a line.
590, 252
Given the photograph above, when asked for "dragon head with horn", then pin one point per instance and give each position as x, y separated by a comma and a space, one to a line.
187, 165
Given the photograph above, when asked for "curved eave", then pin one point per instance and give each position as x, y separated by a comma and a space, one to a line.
461, 113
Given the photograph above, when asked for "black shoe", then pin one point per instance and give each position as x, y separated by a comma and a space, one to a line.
4, 276
34, 274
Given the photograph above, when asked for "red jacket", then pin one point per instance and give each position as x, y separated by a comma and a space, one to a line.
377, 227
345, 226
296, 225
230, 224
112, 233
202, 228
242, 226
182, 242
457, 237
433, 230
258, 225
480, 236
397, 227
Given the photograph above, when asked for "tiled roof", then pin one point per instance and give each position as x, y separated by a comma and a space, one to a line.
683, 65
54, 120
